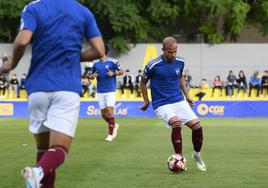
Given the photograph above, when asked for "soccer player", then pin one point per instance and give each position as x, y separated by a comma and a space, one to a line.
167, 89
56, 30
106, 70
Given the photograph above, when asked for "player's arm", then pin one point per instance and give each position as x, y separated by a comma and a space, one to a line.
96, 51
22, 40
119, 72
185, 91
143, 87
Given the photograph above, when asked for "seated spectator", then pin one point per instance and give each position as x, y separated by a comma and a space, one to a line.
264, 82
3, 84
204, 87
231, 79
242, 82
255, 83
22, 83
137, 83
87, 86
127, 82
188, 79
88, 68
14, 85
217, 84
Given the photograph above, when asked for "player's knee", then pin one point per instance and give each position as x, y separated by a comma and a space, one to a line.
196, 126
175, 122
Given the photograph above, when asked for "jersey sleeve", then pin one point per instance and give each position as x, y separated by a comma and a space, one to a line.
117, 65
94, 68
182, 69
147, 73
28, 18
91, 27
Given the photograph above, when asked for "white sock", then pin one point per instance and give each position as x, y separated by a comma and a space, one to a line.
38, 171
197, 154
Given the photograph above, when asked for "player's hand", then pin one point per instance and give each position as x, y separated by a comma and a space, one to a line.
144, 106
110, 73
5, 66
190, 101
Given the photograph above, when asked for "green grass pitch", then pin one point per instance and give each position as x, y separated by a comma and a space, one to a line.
235, 152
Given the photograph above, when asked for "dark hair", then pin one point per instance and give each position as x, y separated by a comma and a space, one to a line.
127, 70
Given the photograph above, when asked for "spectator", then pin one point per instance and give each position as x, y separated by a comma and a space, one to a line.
231, 79
188, 79
242, 82
88, 68
22, 83
137, 83
14, 85
255, 83
264, 82
127, 82
217, 84
204, 87
87, 86
3, 84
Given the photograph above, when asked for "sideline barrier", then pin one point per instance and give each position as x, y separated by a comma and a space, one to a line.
90, 109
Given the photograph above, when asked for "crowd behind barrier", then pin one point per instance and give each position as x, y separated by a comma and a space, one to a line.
235, 86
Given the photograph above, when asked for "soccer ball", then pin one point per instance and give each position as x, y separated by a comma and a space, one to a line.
176, 163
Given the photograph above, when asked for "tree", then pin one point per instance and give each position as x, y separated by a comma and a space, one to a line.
9, 18
125, 22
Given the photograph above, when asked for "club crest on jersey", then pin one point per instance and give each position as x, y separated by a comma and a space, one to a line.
107, 66
177, 71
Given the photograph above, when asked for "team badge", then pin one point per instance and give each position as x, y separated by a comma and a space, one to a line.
177, 71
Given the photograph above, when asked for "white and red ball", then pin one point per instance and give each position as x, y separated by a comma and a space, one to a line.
176, 163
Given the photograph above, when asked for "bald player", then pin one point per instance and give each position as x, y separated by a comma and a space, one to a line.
168, 90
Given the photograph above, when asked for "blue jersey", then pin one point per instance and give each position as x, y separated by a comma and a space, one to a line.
164, 80
58, 30
106, 83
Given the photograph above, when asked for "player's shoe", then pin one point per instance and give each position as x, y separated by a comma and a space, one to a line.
199, 163
109, 138
31, 177
116, 127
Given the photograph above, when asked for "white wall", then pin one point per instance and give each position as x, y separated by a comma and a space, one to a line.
203, 60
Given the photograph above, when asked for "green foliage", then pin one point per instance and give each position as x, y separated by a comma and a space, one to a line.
130, 21
236, 17
9, 18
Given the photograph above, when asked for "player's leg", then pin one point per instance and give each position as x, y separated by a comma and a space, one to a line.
38, 108
168, 115
113, 127
104, 113
197, 140
176, 137
62, 121
42, 145
189, 118
59, 145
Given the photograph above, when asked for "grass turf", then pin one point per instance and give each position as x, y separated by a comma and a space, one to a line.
235, 152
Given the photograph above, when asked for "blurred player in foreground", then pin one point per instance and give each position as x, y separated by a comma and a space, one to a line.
106, 70
56, 30
167, 84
